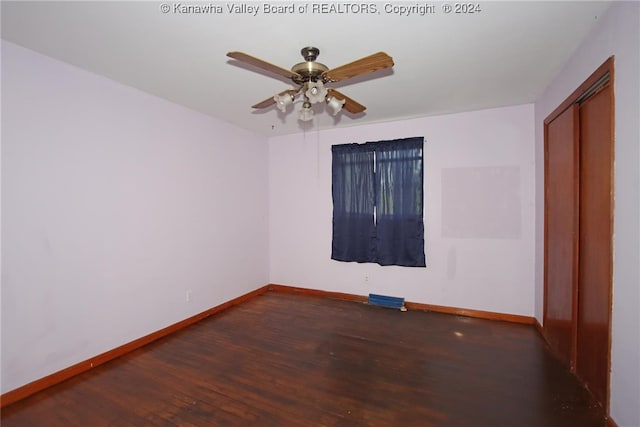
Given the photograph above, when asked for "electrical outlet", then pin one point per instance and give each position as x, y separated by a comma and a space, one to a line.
366, 279
187, 296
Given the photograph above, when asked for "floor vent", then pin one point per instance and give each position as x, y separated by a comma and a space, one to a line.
385, 301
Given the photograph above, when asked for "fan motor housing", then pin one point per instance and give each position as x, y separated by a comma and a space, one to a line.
309, 71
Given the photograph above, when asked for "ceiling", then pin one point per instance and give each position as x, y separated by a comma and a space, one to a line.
505, 54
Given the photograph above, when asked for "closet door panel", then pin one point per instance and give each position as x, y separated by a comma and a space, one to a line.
596, 211
561, 233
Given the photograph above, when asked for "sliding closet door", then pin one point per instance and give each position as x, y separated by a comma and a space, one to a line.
578, 252
596, 213
561, 233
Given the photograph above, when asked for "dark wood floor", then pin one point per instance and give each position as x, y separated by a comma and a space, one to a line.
294, 360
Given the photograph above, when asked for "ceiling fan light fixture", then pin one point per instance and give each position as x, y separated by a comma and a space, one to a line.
283, 101
306, 113
335, 104
316, 91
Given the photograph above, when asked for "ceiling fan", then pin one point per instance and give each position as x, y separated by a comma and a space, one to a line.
311, 77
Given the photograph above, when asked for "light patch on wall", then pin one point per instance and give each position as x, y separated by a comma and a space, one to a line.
481, 202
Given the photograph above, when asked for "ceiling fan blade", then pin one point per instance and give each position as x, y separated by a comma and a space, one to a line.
350, 105
248, 59
264, 104
270, 101
368, 64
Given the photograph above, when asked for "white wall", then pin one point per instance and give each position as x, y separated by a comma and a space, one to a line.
617, 34
114, 204
493, 273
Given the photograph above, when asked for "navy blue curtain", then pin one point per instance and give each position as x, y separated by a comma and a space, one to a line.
353, 204
399, 214
393, 189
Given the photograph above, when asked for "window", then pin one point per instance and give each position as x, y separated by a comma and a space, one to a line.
377, 202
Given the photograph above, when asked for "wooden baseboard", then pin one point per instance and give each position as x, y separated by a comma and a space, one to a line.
514, 318
539, 327
480, 314
59, 376
305, 291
